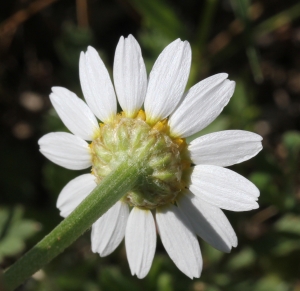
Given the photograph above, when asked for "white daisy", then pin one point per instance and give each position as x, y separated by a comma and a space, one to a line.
186, 185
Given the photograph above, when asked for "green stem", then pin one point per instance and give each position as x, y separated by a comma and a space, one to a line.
206, 19
200, 41
105, 195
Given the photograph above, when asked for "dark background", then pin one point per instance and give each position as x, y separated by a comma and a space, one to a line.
256, 42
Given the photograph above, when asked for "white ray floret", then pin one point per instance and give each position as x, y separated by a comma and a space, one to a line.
223, 188
96, 85
209, 222
202, 105
74, 193
74, 113
66, 150
140, 241
225, 148
109, 230
130, 77
179, 240
167, 80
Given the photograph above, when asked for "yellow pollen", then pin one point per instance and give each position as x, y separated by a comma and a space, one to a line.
91, 147
161, 126
141, 115
180, 142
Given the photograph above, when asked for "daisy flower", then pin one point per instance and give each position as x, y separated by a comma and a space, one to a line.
184, 186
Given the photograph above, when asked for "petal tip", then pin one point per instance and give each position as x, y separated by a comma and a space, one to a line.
141, 275
223, 75
232, 85
91, 50
55, 90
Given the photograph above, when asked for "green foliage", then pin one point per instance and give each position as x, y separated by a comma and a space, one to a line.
244, 259
14, 231
289, 223
225, 36
72, 41
160, 16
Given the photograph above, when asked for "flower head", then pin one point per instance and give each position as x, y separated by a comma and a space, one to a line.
184, 186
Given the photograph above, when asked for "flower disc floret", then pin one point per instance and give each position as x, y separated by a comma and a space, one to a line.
134, 139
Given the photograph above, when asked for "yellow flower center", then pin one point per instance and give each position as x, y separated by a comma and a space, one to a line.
165, 159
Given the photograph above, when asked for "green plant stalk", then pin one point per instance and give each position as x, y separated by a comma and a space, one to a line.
206, 19
105, 195
277, 21
199, 63
241, 9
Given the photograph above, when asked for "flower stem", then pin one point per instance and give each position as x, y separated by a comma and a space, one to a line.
104, 196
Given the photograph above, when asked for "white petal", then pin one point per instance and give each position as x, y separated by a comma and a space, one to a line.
223, 188
179, 240
74, 193
225, 148
66, 150
96, 85
74, 113
109, 230
140, 241
208, 221
202, 104
167, 80
130, 75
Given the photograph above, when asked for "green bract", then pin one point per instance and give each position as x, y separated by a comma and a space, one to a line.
163, 158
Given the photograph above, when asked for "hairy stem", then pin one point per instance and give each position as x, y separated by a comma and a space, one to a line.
104, 196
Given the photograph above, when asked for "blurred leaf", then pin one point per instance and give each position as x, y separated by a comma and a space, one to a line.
261, 180
276, 21
153, 41
241, 108
291, 140
221, 279
159, 14
266, 183
286, 247
289, 223
210, 254
164, 282
157, 268
112, 279
73, 40
245, 258
241, 97
241, 9
207, 288
14, 231
205, 24
271, 282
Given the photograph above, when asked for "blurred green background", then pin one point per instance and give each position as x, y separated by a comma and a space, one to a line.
256, 42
